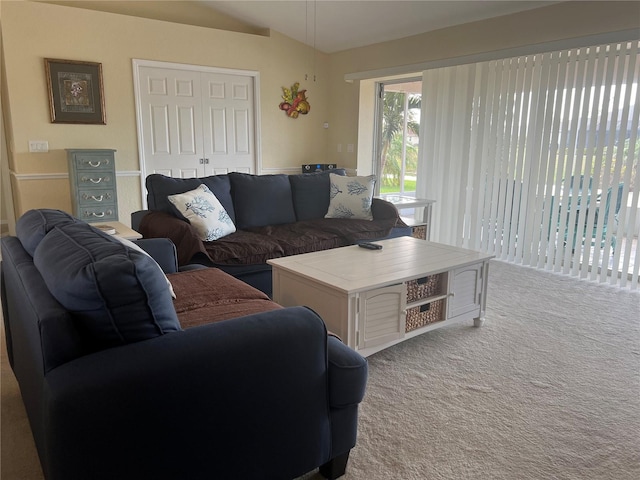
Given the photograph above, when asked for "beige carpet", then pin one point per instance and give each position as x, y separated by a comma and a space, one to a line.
549, 388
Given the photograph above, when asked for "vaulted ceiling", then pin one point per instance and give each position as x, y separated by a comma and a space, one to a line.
328, 25
335, 25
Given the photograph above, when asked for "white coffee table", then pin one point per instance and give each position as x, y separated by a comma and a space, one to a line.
362, 294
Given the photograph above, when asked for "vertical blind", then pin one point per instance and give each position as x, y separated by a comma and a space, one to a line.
535, 159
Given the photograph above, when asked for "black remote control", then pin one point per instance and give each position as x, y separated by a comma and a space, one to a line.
370, 246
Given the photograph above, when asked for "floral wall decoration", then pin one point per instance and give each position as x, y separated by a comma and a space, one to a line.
295, 101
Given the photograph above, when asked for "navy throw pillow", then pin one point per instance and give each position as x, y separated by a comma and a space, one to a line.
261, 200
311, 193
116, 295
159, 187
34, 225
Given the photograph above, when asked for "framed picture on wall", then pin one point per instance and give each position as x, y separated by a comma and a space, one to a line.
76, 92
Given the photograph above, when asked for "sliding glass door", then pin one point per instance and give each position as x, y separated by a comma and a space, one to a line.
535, 159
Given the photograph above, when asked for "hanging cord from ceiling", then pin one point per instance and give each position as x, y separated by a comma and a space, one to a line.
306, 36
314, 38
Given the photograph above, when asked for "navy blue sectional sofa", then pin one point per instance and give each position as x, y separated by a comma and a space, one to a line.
275, 216
118, 385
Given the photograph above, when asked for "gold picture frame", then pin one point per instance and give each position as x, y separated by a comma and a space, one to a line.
76, 91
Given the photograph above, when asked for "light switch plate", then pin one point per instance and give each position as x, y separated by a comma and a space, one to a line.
38, 146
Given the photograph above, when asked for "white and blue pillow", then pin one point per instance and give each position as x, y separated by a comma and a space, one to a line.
205, 212
351, 197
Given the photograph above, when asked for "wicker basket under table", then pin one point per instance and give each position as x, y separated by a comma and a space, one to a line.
424, 315
424, 287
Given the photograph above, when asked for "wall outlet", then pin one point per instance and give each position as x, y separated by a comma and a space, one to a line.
38, 146
339, 148
350, 148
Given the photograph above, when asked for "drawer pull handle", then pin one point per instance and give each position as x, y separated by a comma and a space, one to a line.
96, 165
95, 180
96, 198
97, 214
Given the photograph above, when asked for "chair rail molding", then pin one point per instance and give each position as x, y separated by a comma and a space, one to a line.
51, 176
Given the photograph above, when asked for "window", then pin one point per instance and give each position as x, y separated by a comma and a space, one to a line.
535, 159
398, 122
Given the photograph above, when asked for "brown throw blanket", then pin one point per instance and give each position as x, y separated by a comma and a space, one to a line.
209, 295
259, 244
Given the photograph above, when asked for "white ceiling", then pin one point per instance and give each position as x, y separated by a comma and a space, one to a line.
343, 24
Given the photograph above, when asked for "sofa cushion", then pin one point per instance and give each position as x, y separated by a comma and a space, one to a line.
258, 245
261, 200
351, 197
117, 295
244, 247
32, 227
310, 193
209, 295
204, 212
130, 244
159, 187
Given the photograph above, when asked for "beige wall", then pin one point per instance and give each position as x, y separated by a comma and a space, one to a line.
34, 31
557, 22
6, 203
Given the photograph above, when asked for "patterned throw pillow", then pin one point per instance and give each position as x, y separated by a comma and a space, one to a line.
204, 212
351, 197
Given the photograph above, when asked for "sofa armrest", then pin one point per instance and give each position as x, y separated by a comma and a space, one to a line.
347, 374
162, 250
384, 210
197, 402
157, 224
136, 218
